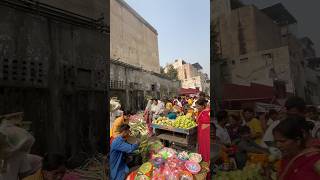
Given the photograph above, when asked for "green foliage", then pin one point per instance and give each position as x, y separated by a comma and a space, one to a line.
171, 73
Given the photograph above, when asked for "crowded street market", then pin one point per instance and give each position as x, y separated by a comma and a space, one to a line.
168, 140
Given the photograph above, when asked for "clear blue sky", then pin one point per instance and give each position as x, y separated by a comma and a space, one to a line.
183, 28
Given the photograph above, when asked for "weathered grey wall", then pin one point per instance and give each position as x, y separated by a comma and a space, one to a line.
257, 36
258, 32
132, 40
89, 8
144, 80
55, 73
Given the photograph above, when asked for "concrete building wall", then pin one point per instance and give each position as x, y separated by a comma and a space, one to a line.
185, 70
55, 74
313, 86
191, 71
267, 32
196, 82
177, 63
144, 81
219, 7
253, 44
181, 72
132, 40
307, 48
246, 30
297, 67
190, 76
255, 67
90, 8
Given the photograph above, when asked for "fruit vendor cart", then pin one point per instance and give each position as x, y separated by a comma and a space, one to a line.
181, 138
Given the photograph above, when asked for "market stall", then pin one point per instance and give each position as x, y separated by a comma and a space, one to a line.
181, 131
167, 163
160, 162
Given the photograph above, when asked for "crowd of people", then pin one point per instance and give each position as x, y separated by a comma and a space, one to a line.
173, 107
293, 130
196, 107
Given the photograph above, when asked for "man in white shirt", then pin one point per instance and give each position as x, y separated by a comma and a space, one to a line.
178, 102
161, 107
156, 108
312, 116
267, 139
114, 110
222, 134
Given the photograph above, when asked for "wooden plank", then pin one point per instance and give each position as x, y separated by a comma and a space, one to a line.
15, 118
172, 138
17, 115
179, 130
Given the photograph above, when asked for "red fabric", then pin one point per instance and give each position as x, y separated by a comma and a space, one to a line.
71, 176
313, 143
111, 139
204, 135
189, 91
253, 92
302, 168
148, 120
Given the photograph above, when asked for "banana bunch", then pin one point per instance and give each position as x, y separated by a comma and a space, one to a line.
144, 148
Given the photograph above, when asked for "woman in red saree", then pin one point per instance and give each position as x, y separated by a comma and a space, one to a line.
300, 160
203, 120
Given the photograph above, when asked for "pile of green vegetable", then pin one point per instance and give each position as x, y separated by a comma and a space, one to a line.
147, 146
250, 172
138, 128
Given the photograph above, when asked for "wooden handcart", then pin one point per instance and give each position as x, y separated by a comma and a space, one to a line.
181, 138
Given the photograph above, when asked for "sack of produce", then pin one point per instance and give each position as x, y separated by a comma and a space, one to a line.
145, 169
15, 138
155, 146
114, 104
183, 156
195, 157
142, 177
167, 153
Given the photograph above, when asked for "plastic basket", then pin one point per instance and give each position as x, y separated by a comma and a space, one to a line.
202, 175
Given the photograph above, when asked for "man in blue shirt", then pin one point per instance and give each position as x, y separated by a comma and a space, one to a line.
119, 148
